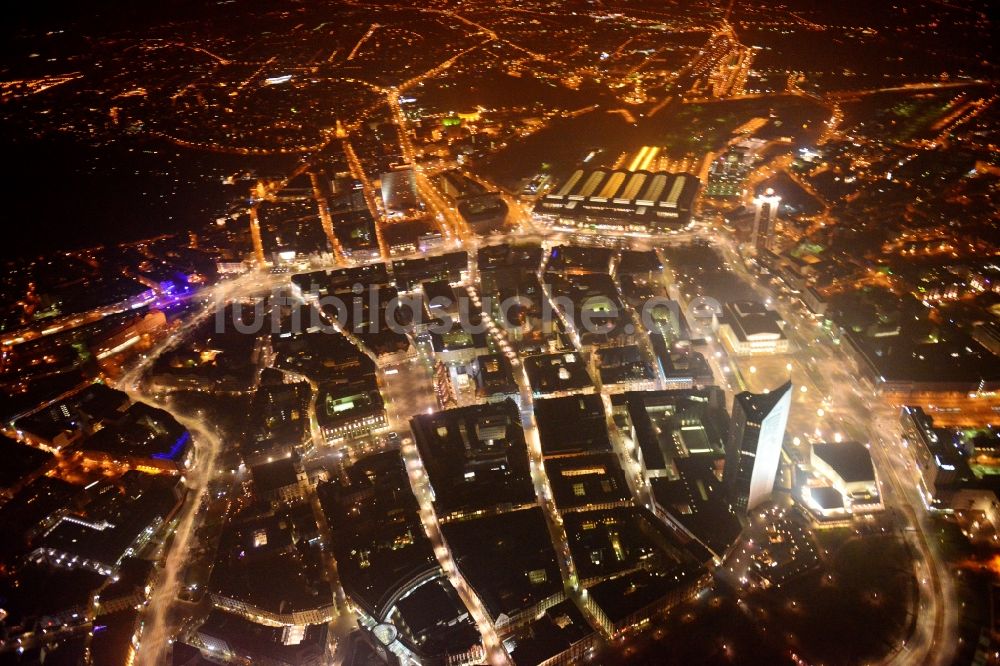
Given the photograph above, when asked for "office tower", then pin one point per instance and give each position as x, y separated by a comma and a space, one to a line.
765, 211
754, 446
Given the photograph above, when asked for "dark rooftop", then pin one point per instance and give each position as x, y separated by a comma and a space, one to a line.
851, 460
27, 513
508, 559
609, 541
38, 591
525, 256
271, 476
620, 597
19, 461
112, 637
92, 405
494, 376
378, 539
586, 480
579, 259
953, 358
621, 365
594, 306
112, 521
261, 562
677, 423
572, 425
436, 619
695, 499
278, 416
259, 643
750, 319
143, 432
476, 457
506, 264
408, 273
554, 373
638, 261
554, 632
827, 497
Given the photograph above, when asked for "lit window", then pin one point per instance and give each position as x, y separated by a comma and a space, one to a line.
537, 576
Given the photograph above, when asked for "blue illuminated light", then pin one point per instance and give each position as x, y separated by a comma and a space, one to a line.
175, 449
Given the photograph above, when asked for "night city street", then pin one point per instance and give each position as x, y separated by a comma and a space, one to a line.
609, 332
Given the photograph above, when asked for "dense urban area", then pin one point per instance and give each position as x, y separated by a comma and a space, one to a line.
530, 333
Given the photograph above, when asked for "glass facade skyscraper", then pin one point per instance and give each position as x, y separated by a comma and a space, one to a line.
754, 446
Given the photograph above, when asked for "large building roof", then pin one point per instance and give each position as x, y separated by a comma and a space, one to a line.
851, 460
622, 596
642, 187
587, 480
572, 425
751, 320
112, 521
260, 564
263, 643
555, 631
507, 558
552, 373
677, 423
476, 457
399, 190
379, 543
619, 194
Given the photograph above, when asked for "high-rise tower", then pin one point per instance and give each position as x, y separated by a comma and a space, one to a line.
765, 211
754, 447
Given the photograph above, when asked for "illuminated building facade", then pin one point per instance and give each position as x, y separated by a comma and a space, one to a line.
621, 201
754, 447
749, 328
765, 212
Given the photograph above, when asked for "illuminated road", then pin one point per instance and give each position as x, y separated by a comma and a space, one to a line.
844, 405
421, 489
408, 389
160, 625
539, 478
324, 216
213, 297
451, 224
159, 628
